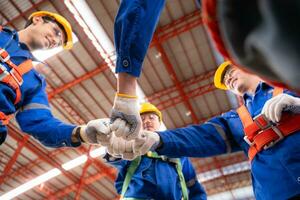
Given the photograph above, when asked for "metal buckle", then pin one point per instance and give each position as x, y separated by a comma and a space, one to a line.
280, 135
4, 73
248, 141
14, 77
269, 125
4, 59
262, 127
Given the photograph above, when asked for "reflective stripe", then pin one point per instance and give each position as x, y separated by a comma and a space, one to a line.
34, 106
191, 182
222, 134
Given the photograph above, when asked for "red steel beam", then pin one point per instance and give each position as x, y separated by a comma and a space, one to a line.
191, 81
206, 164
25, 12
181, 25
13, 159
175, 80
39, 152
81, 181
71, 188
101, 68
177, 27
191, 94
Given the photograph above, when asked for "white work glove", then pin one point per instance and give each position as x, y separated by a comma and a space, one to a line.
125, 118
147, 141
121, 148
96, 132
274, 107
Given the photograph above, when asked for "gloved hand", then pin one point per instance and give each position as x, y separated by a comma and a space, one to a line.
147, 141
121, 148
125, 117
274, 107
96, 132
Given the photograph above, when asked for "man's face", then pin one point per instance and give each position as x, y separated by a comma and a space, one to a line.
150, 121
236, 80
45, 35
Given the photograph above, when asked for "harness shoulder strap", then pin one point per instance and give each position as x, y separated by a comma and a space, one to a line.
178, 167
181, 179
130, 171
244, 115
13, 77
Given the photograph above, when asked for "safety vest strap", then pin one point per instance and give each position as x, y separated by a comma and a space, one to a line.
261, 134
13, 78
135, 163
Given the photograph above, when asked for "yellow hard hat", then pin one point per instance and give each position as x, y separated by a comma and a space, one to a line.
68, 44
148, 107
219, 75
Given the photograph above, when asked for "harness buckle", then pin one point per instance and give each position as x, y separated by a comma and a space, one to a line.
248, 141
278, 133
12, 73
264, 124
6, 58
4, 72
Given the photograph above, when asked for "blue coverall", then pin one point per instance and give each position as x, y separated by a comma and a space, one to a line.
157, 179
275, 171
33, 111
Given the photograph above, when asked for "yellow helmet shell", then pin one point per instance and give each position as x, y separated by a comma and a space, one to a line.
219, 75
148, 107
68, 44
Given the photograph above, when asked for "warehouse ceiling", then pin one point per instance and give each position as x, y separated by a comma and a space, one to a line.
177, 77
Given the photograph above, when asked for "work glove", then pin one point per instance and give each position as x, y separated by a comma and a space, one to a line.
121, 148
147, 141
96, 132
125, 117
274, 107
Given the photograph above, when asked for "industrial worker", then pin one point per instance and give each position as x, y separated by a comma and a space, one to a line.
133, 36
22, 88
269, 136
152, 176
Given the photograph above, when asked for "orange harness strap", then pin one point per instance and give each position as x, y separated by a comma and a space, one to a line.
13, 78
261, 134
5, 118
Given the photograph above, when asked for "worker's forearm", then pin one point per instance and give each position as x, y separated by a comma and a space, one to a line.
127, 84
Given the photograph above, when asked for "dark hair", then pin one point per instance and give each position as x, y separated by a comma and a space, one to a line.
47, 19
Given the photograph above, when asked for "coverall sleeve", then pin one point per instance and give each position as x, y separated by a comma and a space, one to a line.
209, 139
134, 26
196, 191
36, 119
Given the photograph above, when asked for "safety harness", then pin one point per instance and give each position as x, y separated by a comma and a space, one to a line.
136, 162
12, 78
262, 134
